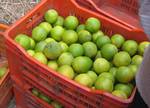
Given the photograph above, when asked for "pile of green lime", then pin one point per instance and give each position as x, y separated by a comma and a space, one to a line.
83, 53
45, 98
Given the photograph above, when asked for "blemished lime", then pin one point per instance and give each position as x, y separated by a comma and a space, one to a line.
52, 50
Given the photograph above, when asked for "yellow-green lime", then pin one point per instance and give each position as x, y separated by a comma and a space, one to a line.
66, 71
101, 65
65, 58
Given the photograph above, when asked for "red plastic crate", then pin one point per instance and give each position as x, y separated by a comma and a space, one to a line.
122, 11
2, 41
6, 93
28, 69
24, 97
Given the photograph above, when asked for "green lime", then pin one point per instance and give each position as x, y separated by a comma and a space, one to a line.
107, 75
105, 84
39, 33
31, 52
47, 40
56, 104
134, 69
23, 40
80, 27
3, 71
84, 36
64, 46
137, 60
142, 46
76, 49
46, 26
59, 22
124, 74
66, 71
65, 58
82, 64
57, 32
39, 47
39, 56
71, 22
92, 24
118, 40
32, 43
69, 37
92, 75
96, 35
51, 16
84, 79
108, 51
53, 65
122, 58
125, 88
90, 49
101, 65
35, 92
119, 94
102, 40
130, 46
44, 98
52, 50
